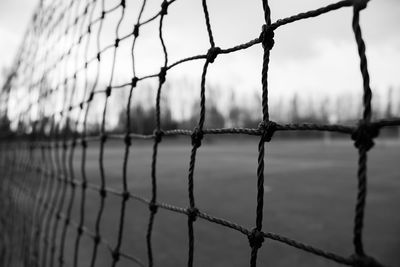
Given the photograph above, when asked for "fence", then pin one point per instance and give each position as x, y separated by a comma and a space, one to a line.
45, 106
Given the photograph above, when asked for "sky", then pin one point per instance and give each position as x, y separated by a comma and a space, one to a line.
316, 57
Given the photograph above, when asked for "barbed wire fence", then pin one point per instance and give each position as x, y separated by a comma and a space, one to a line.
39, 183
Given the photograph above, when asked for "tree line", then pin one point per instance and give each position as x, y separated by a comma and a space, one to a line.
345, 109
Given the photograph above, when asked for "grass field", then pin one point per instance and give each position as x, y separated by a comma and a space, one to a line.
310, 191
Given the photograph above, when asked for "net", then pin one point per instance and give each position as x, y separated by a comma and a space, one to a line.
45, 113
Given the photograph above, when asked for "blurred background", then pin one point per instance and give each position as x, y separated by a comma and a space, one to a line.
314, 77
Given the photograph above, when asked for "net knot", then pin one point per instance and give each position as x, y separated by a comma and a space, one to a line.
123, 4
365, 261
162, 74
360, 4
136, 30
103, 14
65, 146
108, 91
103, 138
364, 135
103, 192
192, 213
134, 81
84, 143
67, 221
158, 134
91, 96
84, 185
98, 56
80, 230
164, 8
268, 129
153, 207
213, 53
88, 29
81, 105
127, 140
256, 238
115, 255
96, 239
126, 195
197, 136
117, 42
267, 37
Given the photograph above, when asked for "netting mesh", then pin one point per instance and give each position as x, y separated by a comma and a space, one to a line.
45, 113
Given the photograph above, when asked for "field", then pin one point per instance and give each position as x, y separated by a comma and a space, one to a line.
310, 192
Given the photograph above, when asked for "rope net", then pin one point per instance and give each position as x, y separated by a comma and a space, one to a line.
48, 97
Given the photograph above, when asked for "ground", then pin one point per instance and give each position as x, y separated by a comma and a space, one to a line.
310, 193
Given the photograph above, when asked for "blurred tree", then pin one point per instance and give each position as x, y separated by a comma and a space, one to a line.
294, 108
234, 111
388, 109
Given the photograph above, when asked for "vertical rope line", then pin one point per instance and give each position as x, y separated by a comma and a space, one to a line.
72, 150
103, 137
152, 205
56, 166
34, 188
57, 174
197, 136
362, 161
157, 139
29, 197
41, 209
267, 46
36, 219
36, 185
39, 203
49, 202
47, 176
67, 131
192, 205
116, 251
265, 66
135, 35
363, 64
208, 24
360, 203
84, 145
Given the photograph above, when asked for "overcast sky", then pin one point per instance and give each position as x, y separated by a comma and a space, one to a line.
316, 56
